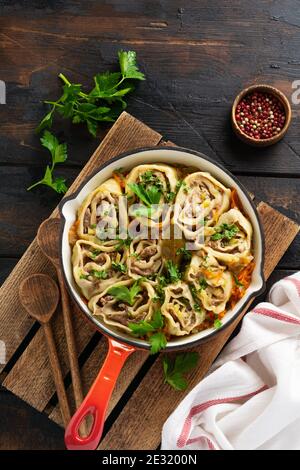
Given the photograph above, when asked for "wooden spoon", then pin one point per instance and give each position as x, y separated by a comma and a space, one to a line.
48, 239
39, 296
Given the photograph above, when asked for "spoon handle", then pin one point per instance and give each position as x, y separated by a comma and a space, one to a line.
71, 344
57, 374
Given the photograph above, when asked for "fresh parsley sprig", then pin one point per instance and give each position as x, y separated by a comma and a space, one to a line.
58, 153
103, 103
125, 294
174, 370
151, 328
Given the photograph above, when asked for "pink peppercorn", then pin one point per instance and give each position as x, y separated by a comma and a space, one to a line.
260, 115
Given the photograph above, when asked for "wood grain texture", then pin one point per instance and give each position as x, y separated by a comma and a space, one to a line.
48, 237
39, 295
195, 61
145, 433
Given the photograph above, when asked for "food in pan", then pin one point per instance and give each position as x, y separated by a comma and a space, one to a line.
161, 251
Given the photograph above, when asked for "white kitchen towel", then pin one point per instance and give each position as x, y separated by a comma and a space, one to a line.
250, 398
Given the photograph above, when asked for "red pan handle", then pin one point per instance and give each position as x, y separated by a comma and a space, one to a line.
97, 399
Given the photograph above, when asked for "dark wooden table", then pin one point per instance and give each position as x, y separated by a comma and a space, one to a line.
196, 56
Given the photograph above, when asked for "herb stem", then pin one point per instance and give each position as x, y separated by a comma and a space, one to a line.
35, 184
66, 81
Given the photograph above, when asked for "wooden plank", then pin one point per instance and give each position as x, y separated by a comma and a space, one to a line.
145, 433
31, 377
91, 368
23, 428
188, 55
126, 134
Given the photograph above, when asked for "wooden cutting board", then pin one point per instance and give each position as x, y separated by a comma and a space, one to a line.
141, 401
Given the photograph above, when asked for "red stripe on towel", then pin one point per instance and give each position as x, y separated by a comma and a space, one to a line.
277, 315
183, 438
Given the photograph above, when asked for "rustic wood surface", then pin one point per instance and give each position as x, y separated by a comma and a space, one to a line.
196, 57
47, 237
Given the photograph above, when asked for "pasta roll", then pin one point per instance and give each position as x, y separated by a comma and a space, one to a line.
199, 202
119, 313
145, 258
178, 309
231, 240
211, 281
151, 185
97, 267
102, 212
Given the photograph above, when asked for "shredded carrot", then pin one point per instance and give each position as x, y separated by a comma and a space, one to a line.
244, 278
119, 179
221, 314
245, 275
235, 202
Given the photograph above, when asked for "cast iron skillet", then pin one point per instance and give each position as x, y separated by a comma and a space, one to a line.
121, 345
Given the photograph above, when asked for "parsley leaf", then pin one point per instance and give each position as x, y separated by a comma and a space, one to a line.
101, 274
104, 102
183, 251
174, 370
217, 323
58, 155
140, 192
203, 284
128, 65
119, 267
143, 211
124, 294
58, 151
225, 232
173, 271
158, 341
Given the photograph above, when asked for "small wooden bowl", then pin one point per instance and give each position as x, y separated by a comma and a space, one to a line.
287, 109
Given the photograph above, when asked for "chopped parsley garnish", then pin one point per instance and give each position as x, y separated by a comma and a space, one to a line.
183, 251
101, 274
173, 271
119, 267
225, 232
197, 308
217, 323
203, 283
123, 243
84, 276
95, 253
